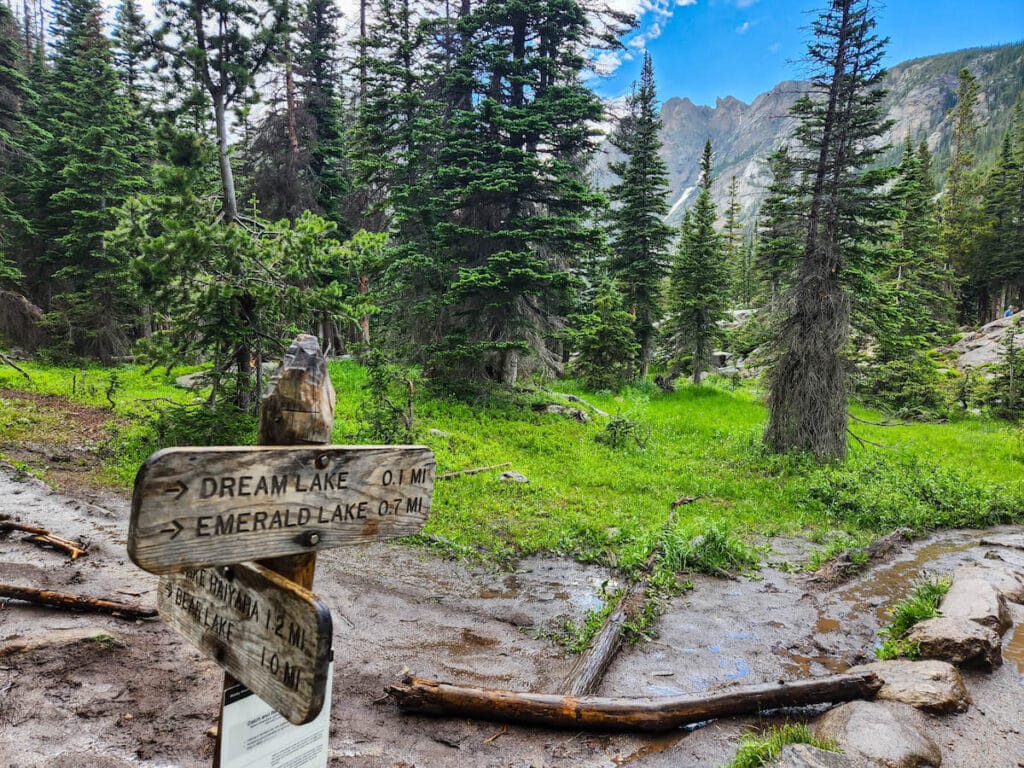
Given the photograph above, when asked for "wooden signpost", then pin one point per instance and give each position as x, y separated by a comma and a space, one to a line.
200, 514
195, 507
260, 627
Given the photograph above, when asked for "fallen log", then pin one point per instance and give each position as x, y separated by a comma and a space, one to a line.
649, 714
474, 471
75, 602
43, 536
588, 670
577, 399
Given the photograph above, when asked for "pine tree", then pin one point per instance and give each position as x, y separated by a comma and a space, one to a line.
640, 238
840, 122
700, 279
604, 340
89, 172
511, 183
962, 214
17, 136
779, 230
219, 46
917, 309
1003, 200
732, 243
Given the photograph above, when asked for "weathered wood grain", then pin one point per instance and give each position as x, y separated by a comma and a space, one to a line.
196, 507
623, 714
264, 630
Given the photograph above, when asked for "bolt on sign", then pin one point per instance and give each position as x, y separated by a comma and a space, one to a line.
197, 507
268, 632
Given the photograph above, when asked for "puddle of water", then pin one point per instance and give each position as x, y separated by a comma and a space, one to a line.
1014, 651
880, 589
801, 666
826, 625
655, 746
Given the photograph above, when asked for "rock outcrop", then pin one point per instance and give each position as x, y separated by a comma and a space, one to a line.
882, 735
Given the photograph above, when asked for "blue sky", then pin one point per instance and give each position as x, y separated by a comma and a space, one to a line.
705, 49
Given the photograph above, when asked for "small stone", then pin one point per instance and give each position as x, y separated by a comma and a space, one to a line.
212, 731
806, 756
513, 477
438, 433
979, 601
883, 735
934, 686
959, 641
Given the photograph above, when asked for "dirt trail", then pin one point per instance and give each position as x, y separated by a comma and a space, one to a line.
148, 699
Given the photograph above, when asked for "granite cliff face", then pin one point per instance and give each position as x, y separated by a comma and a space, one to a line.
921, 93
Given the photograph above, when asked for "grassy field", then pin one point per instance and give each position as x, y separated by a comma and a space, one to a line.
586, 498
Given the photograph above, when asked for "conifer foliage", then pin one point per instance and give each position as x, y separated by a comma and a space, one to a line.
640, 238
700, 279
840, 122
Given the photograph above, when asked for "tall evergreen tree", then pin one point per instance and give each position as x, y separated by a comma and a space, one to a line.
640, 238
840, 123
220, 46
17, 137
732, 243
780, 225
915, 280
1004, 207
511, 182
700, 279
89, 172
962, 215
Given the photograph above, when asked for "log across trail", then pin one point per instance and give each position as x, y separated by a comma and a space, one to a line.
649, 714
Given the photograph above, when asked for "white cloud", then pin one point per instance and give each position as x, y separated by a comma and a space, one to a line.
742, 27
606, 63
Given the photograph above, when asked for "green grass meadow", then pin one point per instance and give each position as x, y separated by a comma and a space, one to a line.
585, 498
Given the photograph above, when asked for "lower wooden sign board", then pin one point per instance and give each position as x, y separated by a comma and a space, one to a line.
196, 507
253, 735
272, 635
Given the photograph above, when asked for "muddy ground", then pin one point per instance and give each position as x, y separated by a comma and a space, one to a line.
150, 699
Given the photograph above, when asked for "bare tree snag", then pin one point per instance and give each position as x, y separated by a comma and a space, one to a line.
648, 714
474, 471
297, 410
75, 602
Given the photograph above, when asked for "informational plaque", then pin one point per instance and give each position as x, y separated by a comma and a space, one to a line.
253, 735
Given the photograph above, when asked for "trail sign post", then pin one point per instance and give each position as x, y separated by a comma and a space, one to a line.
260, 627
196, 507
199, 514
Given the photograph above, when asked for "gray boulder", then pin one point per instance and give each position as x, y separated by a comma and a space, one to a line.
934, 686
1005, 579
979, 601
957, 640
880, 735
513, 477
806, 756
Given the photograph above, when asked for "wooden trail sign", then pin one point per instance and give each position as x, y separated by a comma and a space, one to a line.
266, 631
197, 507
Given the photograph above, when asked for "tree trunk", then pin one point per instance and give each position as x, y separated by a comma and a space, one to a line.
227, 177
510, 367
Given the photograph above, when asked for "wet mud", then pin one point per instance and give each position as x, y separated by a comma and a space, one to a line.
148, 699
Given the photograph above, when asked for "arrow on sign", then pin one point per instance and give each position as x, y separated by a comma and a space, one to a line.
179, 488
178, 528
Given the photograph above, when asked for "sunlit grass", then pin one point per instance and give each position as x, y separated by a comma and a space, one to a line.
585, 498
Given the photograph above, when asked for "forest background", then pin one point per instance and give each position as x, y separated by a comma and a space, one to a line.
193, 189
